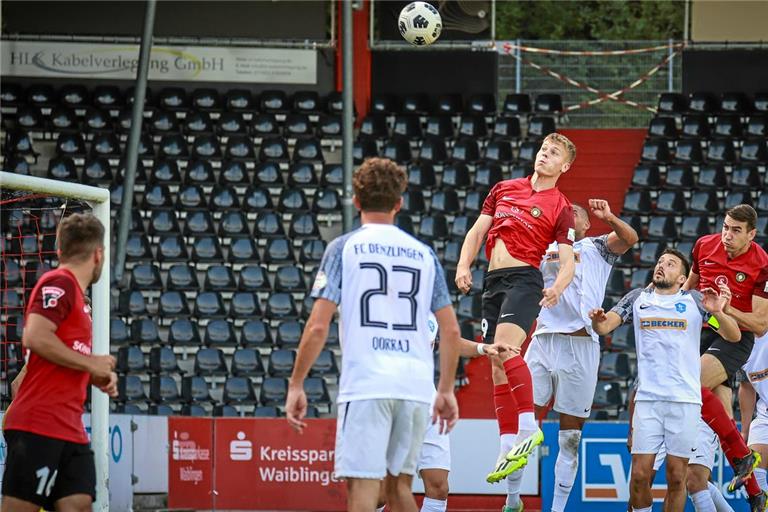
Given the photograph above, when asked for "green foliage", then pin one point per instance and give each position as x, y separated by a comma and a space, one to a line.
589, 19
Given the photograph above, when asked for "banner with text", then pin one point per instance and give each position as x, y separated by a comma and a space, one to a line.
178, 63
190, 464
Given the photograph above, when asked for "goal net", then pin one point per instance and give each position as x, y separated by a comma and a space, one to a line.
30, 211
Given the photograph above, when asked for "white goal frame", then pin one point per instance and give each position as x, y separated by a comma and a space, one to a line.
98, 199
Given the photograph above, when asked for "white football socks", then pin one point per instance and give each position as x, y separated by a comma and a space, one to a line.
432, 505
565, 467
514, 481
760, 476
702, 502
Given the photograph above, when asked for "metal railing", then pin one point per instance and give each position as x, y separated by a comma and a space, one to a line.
613, 68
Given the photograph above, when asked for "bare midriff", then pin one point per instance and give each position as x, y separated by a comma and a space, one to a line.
500, 257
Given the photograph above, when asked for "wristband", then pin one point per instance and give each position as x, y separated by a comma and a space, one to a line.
480, 349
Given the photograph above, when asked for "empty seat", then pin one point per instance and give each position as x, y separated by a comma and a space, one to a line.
472, 126
469, 307
637, 201
29, 118
466, 150
662, 228
329, 127
183, 332
737, 197
307, 102
679, 176
130, 389
62, 168
528, 151
757, 127
224, 197
230, 123
274, 149
499, 151
641, 277
253, 278
364, 148
280, 306
255, 333
210, 362
209, 305
650, 251
273, 391
433, 150
317, 391
239, 390
302, 174
206, 249
274, 101
11, 94
199, 223
257, 199
146, 277
455, 175
434, 227
655, 151
483, 104
449, 104
246, 362
755, 150
439, 127
689, 151
461, 225
131, 303
173, 303
703, 201
614, 365
63, 118
517, 104
163, 222
607, 394
327, 200
486, 175
695, 126
445, 201
173, 146
130, 360
118, 332
137, 248
735, 102
540, 126
290, 279
281, 362
264, 124
238, 100
374, 126
172, 98
206, 99
662, 127
233, 224
266, 412
702, 102
646, 176
398, 150
727, 127
413, 202
746, 176
225, 411
325, 365
162, 360
721, 151
308, 150
711, 176
244, 305
70, 144
239, 147
206, 147
615, 285
548, 103
694, 227
163, 389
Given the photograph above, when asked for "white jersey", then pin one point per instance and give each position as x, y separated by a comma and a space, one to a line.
667, 338
594, 262
756, 369
385, 283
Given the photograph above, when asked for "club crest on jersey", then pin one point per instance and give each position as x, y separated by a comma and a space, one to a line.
680, 307
741, 277
721, 280
51, 296
536, 212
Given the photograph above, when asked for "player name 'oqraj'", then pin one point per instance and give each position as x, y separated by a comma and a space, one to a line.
390, 344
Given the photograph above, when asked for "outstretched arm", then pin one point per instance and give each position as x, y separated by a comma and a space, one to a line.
623, 237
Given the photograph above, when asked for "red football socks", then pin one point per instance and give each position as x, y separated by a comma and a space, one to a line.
519, 378
506, 409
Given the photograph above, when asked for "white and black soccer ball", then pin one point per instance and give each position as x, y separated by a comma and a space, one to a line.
420, 23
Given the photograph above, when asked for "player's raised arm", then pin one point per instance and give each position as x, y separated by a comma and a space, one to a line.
623, 237
755, 321
713, 303
604, 323
472, 243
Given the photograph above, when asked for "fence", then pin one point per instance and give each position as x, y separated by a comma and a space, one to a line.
603, 83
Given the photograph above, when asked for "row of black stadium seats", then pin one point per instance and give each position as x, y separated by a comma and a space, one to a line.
171, 98
195, 410
717, 150
161, 122
699, 127
451, 104
710, 176
708, 103
699, 202
667, 226
444, 128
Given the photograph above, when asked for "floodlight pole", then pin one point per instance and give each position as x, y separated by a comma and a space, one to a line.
132, 149
347, 114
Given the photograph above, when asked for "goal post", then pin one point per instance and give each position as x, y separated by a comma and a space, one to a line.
98, 200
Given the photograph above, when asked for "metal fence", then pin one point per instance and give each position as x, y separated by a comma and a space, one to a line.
568, 68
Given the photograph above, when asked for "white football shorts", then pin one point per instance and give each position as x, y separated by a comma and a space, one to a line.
673, 425
380, 436
707, 446
436, 450
566, 367
758, 429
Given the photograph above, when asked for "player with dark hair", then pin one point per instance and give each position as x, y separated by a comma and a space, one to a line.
732, 258
49, 461
385, 283
667, 324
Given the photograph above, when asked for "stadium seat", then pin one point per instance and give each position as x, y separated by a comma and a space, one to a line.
268, 225
540, 126
281, 362
273, 391
246, 362
257, 199
374, 126
206, 249
172, 98
231, 123
206, 147
455, 175
225, 411
162, 361
199, 172
364, 148
193, 410
735, 103
130, 389
728, 127
244, 305
384, 104
281, 306
445, 201
670, 202
239, 147
483, 104
433, 150
472, 126
466, 150
694, 227
640, 278
290, 279
449, 104
263, 125
302, 174
292, 200
650, 251
506, 128
325, 365
11, 94
397, 149
239, 100
762, 202
548, 103
184, 332
288, 333
274, 101
737, 197
702, 102
615, 284
607, 394
662, 228
209, 305
662, 127
614, 366
308, 150
29, 118
421, 176
219, 278
224, 197
317, 392
439, 127
461, 225
253, 278
268, 173
17, 164
146, 276
71, 144
163, 222
157, 196
646, 176
239, 390
486, 175
307, 102
163, 389
62, 168
679, 176
274, 149
329, 127
433, 227
722, 150
165, 171
210, 362
756, 127
255, 333
266, 412
515, 104
689, 151
327, 200
637, 201
131, 304
499, 151
206, 99
703, 201
754, 150
653, 151
695, 126
527, 153
469, 307
119, 334
137, 248
130, 360
199, 223
172, 303
746, 176
63, 119
233, 224
303, 225
711, 176
312, 251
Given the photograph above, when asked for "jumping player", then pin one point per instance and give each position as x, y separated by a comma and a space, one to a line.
753, 396
520, 217
734, 259
385, 282
564, 354
667, 324
49, 462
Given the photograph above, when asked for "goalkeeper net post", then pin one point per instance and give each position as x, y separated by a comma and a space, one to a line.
98, 200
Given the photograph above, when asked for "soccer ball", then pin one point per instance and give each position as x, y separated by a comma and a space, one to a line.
420, 23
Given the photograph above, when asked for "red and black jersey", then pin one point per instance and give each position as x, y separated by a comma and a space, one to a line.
527, 221
51, 397
745, 275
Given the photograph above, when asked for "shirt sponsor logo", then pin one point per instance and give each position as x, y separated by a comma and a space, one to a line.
721, 280
680, 307
674, 324
79, 346
741, 277
758, 376
241, 448
51, 296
